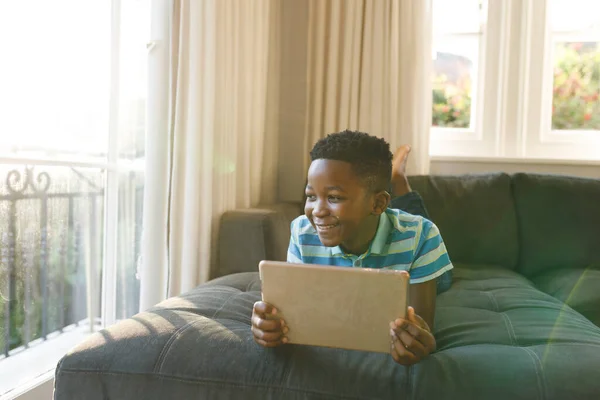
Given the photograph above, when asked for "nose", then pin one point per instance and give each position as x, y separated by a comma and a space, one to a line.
320, 209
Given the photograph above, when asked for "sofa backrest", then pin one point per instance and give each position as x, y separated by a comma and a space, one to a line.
475, 214
559, 222
527, 222
248, 236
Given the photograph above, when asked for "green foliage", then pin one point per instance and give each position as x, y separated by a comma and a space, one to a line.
575, 103
451, 103
575, 100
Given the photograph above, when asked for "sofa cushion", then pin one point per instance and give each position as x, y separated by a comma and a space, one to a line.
577, 287
498, 336
248, 236
571, 237
475, 214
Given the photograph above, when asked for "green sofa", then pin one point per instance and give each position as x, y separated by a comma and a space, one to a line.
521, 320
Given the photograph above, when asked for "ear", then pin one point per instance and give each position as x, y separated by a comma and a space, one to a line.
381, 202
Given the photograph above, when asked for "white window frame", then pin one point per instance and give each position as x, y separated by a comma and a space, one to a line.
516, 80
47, 353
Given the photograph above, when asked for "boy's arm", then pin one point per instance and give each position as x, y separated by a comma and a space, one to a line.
412, 336
431, 260
422, 298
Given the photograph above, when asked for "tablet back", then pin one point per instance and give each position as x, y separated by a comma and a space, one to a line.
342, 307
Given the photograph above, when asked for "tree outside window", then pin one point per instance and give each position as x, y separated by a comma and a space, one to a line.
576, 88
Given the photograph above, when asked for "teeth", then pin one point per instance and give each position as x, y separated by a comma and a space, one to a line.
325, 227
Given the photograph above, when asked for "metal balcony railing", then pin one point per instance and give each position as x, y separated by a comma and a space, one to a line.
51, 252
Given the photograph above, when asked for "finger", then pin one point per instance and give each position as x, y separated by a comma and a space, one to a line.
270, 344
413, 329
413, 345
425, 337
415, 318
399, 347
407, 325
400, 354
410, 315
268, 336
421, 335
262, 308
268, 325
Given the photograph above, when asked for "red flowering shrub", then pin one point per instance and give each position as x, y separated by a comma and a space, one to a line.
575, 103
575, 98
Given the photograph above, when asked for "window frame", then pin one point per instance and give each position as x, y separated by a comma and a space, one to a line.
518, 65
113, 167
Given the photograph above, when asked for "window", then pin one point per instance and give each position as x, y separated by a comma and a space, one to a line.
538, 71
72, 126
575, 29
575, 86
459, 28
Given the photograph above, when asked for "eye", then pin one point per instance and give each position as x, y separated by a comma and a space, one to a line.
311, 197
335, 199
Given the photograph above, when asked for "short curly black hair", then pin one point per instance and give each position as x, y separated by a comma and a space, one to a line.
370, 156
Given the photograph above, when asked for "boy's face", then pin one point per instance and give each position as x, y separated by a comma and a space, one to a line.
341, 207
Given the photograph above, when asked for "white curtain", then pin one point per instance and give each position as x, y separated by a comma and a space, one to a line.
221, 150
369, 64
368, 69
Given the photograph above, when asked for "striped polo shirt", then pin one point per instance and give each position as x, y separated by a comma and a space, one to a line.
402, 242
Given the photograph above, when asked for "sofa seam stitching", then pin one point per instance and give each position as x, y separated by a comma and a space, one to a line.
493, 300
225, 303
537, 366
248, 286
510, 329
162, 356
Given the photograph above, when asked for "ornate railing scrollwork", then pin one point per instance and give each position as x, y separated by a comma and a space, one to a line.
17, 185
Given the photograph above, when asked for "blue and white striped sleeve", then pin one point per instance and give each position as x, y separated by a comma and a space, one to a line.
431, 258
293, 254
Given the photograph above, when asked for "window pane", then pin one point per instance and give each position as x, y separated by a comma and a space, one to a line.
457, 29
51, 226
55, 78
129, 234
458, 16
576, 89
574, 15
454, 76
134, 35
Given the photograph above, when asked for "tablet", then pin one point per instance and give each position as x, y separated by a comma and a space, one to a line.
348, 308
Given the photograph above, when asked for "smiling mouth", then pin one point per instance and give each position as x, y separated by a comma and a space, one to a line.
325, 228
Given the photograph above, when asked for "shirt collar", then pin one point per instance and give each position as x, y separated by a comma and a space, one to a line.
337, 250
381, 236
379, 241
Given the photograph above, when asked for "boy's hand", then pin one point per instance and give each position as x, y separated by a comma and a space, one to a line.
412, 339
268, 329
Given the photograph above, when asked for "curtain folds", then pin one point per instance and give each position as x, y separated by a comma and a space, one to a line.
222, 135
369, 66
222, 139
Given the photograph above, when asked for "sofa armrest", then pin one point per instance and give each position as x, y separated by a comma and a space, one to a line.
251, 235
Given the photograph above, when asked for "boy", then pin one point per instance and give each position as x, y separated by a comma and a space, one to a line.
347, 222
